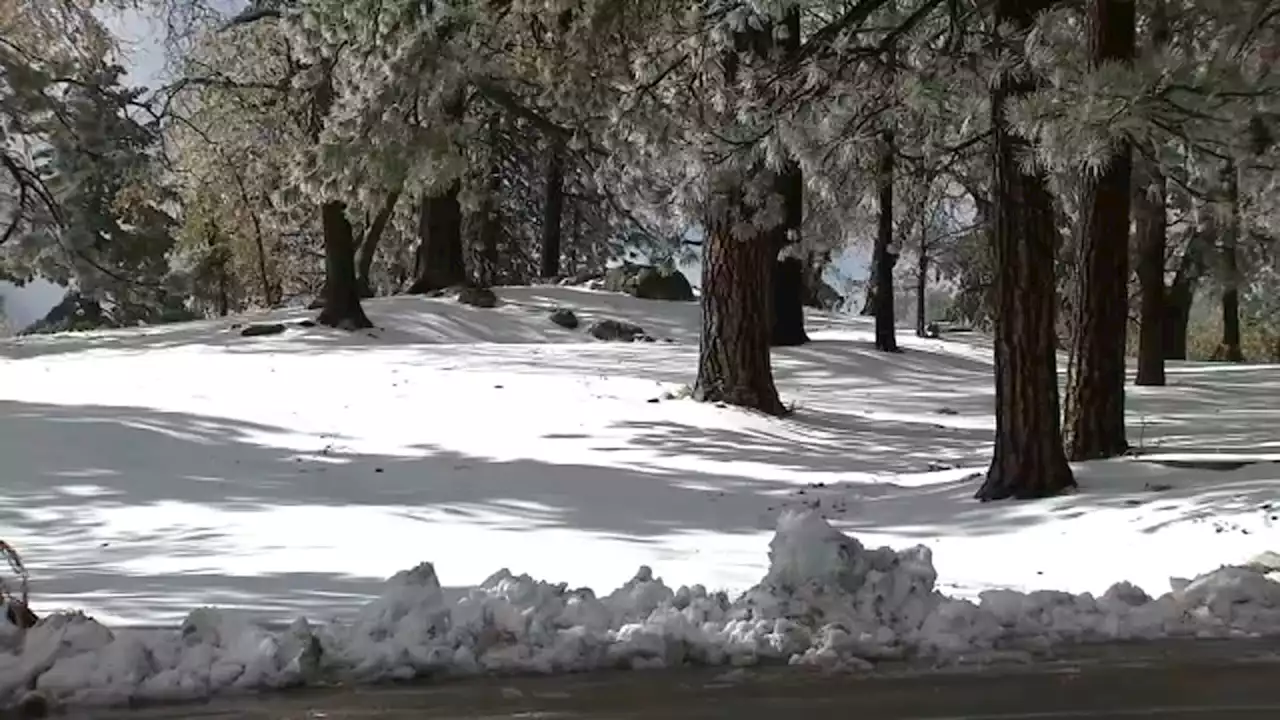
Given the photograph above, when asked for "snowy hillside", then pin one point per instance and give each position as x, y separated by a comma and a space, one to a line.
150, 472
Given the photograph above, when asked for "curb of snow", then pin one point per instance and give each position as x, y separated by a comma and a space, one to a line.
826, 600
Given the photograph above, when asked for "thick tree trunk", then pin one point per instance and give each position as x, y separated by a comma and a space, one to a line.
1151, 223
1028, 461
438, 261
341, 294
1230, 349
886, 254
1095, 378
552, 212
734, 365
369, 243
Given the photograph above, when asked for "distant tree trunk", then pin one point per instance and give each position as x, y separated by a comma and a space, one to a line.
788, 310
1181, 293
1230, 350
1028, 461
224, 297
922, 286
552, 212
369, 243
922, 259
575, 239
1151, 220
734, 366
788, 272
341, 294
886, 254
438, 261
1096, 373
490, 221
1151, 223
219, 258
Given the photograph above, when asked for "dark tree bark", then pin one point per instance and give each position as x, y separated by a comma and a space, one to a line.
369, 244
734, 362
341, 294
340, 306
815, 287
1230, 350
1151, 220
1182, 291
885, 255
438, 261
552, 212
922, 288
489, 222
734, 365
1028, 461
1095, 378
788, 310
1151, 223
922, 260
788, 273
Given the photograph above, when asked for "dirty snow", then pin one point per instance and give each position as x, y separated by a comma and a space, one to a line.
826, 600
152, 471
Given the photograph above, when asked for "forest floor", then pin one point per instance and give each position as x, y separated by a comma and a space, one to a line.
152, 471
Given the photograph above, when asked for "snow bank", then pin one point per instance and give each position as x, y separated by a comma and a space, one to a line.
825, 600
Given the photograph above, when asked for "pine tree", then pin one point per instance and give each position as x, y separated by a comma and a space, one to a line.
1028, 460
1096, 375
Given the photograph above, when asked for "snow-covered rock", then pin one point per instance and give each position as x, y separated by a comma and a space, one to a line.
826, 599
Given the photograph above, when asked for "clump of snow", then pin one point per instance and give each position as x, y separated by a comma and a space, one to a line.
826, 599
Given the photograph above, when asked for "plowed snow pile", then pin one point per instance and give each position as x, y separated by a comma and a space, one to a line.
825, 600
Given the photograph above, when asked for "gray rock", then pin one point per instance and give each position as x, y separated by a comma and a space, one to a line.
616, 330
478, 297
648, 282
565, 318
621, 279
659, 284
263, 329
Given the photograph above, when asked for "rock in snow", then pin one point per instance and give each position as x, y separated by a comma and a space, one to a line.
826, 600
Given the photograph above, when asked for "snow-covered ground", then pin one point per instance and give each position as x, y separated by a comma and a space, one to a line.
150, 472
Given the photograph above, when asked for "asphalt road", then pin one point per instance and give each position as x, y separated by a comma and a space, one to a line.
1197, 681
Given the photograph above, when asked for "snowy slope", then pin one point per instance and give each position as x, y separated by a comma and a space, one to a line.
152, 471
149, 472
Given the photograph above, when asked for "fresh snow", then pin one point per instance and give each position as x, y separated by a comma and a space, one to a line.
149, 472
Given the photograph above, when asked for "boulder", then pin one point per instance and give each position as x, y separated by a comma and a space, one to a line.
660, 284
565, 318
648, 282
478, 297
622, 278
263, 329
616, 331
